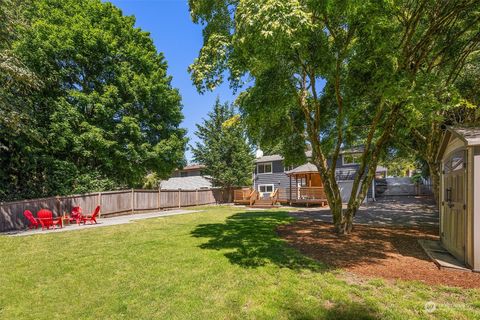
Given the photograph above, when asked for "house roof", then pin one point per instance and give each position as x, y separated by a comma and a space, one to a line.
273, 157
192, 167
276, 157
304, 168
308, 154
352, 150
186, 183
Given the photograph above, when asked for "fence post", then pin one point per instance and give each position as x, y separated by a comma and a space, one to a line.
196, 197
179, 198
158, 202
59, 206
133, 200
100, 204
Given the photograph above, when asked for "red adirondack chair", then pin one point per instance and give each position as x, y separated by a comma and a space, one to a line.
91, 217
33, 222
76, 215
46, 219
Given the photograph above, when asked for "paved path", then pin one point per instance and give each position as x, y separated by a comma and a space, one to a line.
398, 211
104, 222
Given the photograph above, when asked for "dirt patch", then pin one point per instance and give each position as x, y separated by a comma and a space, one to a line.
386, 252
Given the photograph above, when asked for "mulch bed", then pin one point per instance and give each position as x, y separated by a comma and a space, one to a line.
386, 252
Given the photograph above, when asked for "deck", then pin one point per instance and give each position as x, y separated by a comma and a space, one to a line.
291, 196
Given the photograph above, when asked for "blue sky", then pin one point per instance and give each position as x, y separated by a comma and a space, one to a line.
174, 34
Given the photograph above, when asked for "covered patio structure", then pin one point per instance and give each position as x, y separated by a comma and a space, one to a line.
305, 187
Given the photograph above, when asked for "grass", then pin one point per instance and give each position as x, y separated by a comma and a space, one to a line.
222, 263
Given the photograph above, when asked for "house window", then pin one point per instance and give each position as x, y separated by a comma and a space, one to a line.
264, 168
302, 182
265, 188
353, 158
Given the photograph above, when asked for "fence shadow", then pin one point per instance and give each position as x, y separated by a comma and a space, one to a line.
251, 241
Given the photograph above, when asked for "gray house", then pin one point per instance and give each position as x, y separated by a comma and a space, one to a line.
302, 184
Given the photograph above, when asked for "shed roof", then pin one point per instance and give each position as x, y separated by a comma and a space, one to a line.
470, 135
186, 183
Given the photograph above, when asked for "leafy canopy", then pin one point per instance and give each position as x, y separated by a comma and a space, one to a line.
106, 113
334, 73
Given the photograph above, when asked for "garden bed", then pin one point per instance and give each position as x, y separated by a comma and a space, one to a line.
371, 251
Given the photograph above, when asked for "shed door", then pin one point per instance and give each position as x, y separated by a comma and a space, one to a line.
453, 220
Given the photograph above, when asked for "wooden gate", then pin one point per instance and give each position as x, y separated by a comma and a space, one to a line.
453, 206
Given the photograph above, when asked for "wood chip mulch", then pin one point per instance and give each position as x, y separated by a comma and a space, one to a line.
371, 251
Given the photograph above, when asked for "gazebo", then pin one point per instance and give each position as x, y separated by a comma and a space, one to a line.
307, 188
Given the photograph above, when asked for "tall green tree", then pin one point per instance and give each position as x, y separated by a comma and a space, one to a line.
333, 73
106, 113
223, 148
457, 105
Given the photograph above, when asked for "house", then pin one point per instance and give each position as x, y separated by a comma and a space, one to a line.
188, 178
302, 184
459, 155
193, 170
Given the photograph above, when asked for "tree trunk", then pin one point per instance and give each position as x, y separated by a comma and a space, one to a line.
342, 219
434, 169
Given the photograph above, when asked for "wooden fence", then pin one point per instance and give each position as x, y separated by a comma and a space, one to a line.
111, 202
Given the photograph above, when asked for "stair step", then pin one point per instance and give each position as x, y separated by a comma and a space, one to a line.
262, 206
263, 201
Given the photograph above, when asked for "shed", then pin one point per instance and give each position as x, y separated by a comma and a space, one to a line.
459, 156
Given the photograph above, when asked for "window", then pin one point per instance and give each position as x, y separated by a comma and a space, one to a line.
302, 182
353, 158
265, 188
264, 168
183, 174
454, 162
288, 168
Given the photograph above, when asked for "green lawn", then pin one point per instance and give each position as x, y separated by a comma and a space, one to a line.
223, 263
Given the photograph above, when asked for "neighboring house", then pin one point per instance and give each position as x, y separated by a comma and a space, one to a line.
188, 178
193, 170
303, 184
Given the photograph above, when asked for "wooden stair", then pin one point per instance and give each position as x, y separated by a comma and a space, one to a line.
262, 203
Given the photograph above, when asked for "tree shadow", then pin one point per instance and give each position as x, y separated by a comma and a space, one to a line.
252, 241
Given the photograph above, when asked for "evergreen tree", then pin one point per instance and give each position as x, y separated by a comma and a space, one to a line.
224, 149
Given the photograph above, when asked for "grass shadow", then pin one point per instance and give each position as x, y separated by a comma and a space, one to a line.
252, 241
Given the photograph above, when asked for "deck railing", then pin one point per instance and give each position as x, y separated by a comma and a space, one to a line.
242, 194
302, 193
